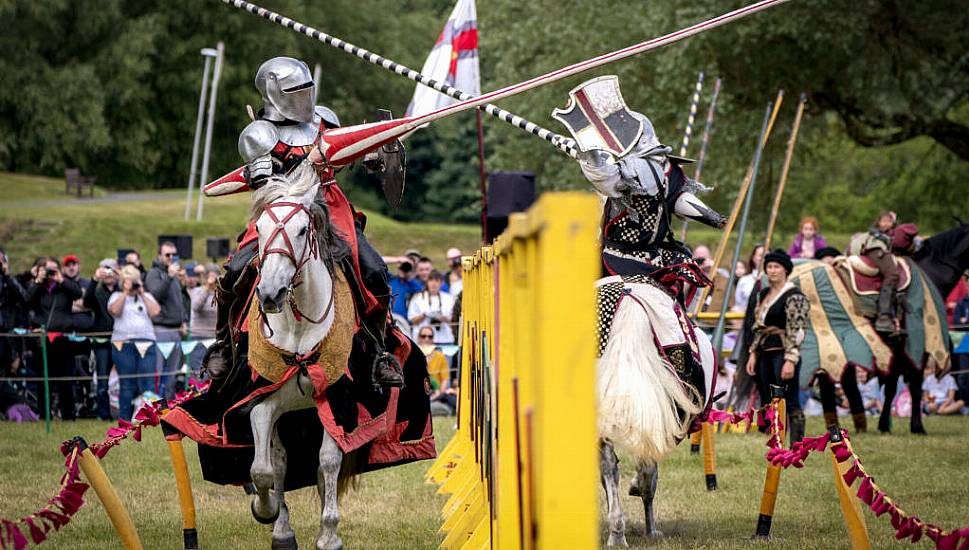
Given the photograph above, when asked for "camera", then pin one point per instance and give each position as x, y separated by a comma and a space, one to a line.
135, 285
51, 272
406, 267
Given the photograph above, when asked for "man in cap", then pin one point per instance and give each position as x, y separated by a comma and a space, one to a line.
883, 238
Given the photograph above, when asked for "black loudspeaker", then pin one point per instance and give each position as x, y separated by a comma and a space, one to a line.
508, 192
216, 247
183, 243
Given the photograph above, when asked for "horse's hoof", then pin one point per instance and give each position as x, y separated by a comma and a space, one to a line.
655, 534
269, 518
919, 430
333, 544
617, 540
288, 543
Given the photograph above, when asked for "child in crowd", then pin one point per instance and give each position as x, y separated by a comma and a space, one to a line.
939, 394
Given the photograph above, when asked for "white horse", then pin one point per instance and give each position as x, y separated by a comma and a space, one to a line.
296, 296
643, 406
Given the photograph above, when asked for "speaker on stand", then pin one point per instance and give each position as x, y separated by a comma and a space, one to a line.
508, 192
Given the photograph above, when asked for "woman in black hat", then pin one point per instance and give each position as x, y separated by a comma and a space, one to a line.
780, 315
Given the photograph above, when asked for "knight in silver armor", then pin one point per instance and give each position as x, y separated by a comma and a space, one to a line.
643, 190
288, 123
283, 134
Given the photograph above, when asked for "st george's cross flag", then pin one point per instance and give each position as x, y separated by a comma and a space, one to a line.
453, 61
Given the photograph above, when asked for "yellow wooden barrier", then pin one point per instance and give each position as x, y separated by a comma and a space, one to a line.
522, 469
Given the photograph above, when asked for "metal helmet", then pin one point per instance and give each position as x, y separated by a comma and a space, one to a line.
287, 89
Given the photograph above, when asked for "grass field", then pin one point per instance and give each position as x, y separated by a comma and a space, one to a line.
393, 509
37, 218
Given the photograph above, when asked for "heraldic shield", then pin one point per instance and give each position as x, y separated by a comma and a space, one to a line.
598, 118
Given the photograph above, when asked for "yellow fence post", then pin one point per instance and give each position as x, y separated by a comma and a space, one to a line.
117, 513
522, 469
854, 519
709, 457
773, 478
183, 483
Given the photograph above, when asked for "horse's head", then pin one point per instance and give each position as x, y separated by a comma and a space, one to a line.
287, 241
945, 257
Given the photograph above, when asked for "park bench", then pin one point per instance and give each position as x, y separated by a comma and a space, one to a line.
74, 180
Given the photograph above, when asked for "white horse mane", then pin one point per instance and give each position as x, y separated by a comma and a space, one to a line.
295, 185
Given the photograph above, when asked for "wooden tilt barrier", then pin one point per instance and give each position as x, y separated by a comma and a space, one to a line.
522, 469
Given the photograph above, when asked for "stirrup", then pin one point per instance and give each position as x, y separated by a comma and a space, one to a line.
885, 324
387, 372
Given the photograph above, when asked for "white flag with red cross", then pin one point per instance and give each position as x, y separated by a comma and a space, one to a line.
453, 61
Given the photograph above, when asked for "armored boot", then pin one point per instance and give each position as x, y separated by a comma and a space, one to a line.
796, 421
386, 369
861, 422
885, 321
830, 419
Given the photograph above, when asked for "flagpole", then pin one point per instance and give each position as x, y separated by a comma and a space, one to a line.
685, 145
485, 237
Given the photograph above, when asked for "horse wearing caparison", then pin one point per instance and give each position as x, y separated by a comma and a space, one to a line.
842, 336
305, 409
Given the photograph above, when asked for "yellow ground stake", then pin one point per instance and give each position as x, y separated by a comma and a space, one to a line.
117, 513
695, 443
854, 519
773, 477
709, 457
186, 502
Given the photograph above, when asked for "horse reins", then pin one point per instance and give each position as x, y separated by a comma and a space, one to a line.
310, 251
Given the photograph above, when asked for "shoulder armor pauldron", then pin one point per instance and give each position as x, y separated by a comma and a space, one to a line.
257, 139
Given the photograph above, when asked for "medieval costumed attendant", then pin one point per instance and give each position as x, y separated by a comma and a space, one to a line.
780, 316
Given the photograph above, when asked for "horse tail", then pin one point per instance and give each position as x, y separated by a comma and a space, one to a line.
349, 477
643, 405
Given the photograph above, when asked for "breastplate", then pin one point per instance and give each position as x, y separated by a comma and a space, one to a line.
295, 142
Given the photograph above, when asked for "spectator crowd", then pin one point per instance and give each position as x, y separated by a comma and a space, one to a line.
139, 329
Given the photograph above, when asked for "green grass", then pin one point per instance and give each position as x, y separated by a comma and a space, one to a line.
37, 219
21, 187
394, 508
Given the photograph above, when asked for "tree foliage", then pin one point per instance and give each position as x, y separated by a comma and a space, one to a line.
112, 87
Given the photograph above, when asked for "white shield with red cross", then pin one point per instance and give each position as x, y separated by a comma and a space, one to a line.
598, 118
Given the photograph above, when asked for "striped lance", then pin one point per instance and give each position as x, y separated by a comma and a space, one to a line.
566, 145
340, 146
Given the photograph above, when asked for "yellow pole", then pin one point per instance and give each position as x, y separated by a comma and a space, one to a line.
737, 206
784, 171
695, 443
184, 484
709, 457
854, 520
109, 497
773, 477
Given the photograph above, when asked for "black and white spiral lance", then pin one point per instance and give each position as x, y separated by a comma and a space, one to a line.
563, 143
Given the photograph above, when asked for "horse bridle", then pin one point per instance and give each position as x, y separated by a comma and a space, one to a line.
310, 251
